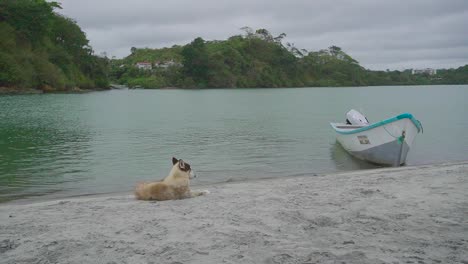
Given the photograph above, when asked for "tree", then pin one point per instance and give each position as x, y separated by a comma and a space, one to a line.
9, 71
19, 14
264, 35
248, 31
279, 38
44, 48
334, 50
295, 51
195, 61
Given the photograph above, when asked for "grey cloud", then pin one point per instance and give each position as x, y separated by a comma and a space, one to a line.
379, 34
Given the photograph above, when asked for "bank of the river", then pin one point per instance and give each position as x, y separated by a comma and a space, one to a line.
16, 90
414, 214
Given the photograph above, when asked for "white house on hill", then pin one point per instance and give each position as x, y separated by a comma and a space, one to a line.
144, 65
167, 64
429, 71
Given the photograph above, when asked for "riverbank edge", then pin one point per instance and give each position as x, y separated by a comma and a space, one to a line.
46, 199
411, 214
23, 91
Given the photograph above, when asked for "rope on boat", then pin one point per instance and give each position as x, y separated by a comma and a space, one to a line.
400, 141
400, 138
389, 132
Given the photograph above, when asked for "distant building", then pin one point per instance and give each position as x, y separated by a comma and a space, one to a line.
429, 71
144, 65
167, 64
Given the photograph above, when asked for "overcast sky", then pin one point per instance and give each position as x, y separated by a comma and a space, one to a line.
380, 34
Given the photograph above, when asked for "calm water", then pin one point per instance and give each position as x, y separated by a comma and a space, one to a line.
58, 145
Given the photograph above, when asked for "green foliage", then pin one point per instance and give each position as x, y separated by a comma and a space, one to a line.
28, 17
152, 55
259, 59
9, 70
195, 60
148, 82
452, 76
42, 49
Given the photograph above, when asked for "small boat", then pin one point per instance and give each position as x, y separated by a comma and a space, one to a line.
385, 142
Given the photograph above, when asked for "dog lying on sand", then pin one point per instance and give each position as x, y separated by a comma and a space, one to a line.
173, 187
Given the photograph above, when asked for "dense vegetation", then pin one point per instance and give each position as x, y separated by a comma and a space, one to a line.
258, 59
44, 50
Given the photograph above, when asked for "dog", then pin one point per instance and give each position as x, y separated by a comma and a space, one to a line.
173, 187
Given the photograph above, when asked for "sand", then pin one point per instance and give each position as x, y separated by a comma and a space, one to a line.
396, 215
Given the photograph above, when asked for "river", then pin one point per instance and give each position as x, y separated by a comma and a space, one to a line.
60, 145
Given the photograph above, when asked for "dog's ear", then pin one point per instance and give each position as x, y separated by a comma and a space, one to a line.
174, 161
182, 165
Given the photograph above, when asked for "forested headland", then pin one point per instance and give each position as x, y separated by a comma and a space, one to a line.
258, 59
41, 49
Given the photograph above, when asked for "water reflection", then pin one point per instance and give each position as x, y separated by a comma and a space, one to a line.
39, 156
344, 161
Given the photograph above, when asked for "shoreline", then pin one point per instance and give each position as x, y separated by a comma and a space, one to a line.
26, 91
411, 214
51, 197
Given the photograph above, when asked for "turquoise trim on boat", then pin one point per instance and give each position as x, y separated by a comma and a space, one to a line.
381, 123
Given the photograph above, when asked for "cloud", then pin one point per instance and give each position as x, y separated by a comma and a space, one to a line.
379, 34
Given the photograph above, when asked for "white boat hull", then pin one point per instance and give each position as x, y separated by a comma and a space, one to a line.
382, 142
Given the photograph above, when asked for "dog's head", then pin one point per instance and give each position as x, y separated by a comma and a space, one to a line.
183, 167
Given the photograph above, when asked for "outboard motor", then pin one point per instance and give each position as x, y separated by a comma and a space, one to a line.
353, 117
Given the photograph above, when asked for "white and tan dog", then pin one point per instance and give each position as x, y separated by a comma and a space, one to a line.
175, 186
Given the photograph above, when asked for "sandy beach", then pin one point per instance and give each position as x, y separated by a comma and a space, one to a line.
396, 215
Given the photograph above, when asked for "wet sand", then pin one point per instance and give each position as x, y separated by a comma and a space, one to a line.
396, 215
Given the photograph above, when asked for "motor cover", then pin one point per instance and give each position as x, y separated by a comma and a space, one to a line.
353, 117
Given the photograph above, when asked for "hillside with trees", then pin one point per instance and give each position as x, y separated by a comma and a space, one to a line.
258, 59
40, 49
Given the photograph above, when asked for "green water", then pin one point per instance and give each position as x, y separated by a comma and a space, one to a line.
58, 145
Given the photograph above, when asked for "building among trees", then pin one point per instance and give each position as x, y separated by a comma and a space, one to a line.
144, 65
429, 71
